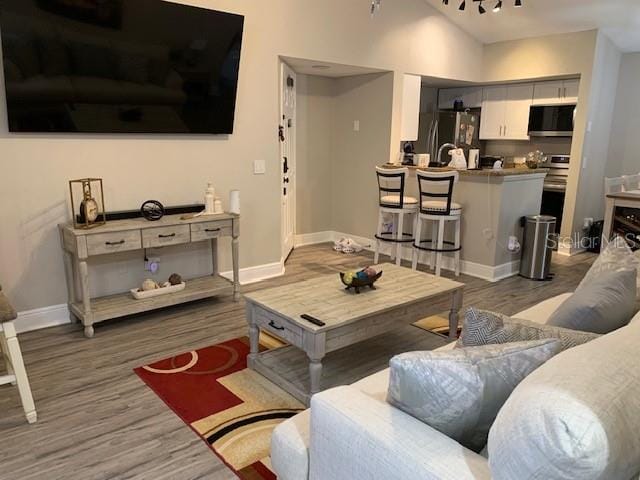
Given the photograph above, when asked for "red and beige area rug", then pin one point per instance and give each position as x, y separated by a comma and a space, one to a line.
233, 409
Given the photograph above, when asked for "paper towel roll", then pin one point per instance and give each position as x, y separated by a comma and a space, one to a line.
234, 202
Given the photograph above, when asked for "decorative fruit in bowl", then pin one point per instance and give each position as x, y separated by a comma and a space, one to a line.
359, 279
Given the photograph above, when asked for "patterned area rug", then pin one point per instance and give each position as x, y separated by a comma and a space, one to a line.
233, 409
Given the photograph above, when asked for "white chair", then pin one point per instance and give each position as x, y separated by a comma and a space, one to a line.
10, 349
393, 201
437, 206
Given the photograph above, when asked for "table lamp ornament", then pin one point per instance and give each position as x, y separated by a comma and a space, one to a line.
87, 195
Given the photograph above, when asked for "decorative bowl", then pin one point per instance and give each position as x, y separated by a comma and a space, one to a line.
358, 283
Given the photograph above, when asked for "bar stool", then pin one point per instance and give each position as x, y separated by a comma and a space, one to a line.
438, 186
393, 201
9, 347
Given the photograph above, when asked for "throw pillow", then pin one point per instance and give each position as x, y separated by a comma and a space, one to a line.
602, 305
459, 392
484, 328
616, 257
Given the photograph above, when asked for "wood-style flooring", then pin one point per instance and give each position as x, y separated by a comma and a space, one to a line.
97, 420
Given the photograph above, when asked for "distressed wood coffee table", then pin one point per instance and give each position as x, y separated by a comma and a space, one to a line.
402, 297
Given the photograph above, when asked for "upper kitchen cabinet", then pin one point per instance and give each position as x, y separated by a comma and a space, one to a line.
412, 86
505, 112
561, 92
471, 97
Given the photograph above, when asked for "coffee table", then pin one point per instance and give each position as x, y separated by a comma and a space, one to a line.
402, 297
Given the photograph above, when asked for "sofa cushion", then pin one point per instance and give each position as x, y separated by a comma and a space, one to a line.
460, 392
541, 312
577, 416
289, 447
482, 327
602, 305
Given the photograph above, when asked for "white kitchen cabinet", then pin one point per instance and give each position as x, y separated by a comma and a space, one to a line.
412, 86
556, 93
471, 97
505, 112
570, 90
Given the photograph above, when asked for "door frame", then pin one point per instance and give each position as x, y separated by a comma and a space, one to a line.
290, 133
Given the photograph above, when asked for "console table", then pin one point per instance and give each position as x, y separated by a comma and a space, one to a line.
125, 235
613, 201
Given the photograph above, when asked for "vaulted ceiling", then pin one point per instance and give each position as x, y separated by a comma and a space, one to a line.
619, 19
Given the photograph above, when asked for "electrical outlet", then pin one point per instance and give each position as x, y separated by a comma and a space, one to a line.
259, 167
152, 264
356, 125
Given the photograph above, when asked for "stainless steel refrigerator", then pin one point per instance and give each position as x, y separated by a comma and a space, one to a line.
459, 128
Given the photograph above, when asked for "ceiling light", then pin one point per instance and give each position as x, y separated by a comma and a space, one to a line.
518, 3
481, 9
462, 5
498, 7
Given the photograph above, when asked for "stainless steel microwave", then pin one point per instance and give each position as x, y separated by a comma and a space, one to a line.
552, 121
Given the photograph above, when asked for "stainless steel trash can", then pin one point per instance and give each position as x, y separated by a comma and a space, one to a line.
537, 247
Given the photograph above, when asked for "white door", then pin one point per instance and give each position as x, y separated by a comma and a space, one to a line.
516, 117
492, 118
287, 137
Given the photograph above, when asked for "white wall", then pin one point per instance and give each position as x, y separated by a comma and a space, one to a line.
590, 199
624, 147
36, 169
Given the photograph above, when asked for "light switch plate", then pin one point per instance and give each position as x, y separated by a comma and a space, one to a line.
356, 125
259, 167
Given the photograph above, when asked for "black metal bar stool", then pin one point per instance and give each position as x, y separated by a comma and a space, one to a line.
437, 206
393, 201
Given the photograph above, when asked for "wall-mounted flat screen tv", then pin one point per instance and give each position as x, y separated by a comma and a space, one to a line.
119, 66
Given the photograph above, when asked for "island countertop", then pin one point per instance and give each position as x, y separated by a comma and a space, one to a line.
488, 172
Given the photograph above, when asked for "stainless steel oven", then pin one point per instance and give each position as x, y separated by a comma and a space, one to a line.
555, 187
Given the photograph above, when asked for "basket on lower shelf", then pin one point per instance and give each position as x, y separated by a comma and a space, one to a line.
144, 294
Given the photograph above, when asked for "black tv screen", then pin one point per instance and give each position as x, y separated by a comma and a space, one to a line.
119, 66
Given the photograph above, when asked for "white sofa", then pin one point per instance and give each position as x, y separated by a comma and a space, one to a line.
351, 432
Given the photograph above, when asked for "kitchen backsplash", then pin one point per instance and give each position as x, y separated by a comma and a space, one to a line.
548, 145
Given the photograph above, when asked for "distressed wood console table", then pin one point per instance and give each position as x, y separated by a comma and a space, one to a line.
125, 235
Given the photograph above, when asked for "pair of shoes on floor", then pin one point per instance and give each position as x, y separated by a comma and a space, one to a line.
347, 245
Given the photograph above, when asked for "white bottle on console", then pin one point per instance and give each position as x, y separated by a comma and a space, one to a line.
210, 200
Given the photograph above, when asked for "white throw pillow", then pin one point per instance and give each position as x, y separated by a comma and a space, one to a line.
575, 417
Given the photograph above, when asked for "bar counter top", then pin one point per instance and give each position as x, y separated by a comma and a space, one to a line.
489, 172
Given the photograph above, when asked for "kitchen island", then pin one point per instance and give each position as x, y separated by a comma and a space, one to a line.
493, 202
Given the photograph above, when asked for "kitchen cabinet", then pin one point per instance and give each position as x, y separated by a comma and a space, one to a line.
471, 97
412, 85
556, 93
505, 112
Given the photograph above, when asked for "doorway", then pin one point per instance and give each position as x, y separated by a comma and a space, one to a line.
287, 135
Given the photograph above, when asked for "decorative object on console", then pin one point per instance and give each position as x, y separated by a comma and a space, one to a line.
459, 392
363, 278
534, 159
151, 289
481, 9
91, 212
152, 210
234, 202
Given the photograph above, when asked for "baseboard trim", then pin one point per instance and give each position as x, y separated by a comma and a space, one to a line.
258, 273
40, 318
478, 270
304, 239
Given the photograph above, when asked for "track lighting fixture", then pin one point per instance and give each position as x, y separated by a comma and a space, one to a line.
481, 9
